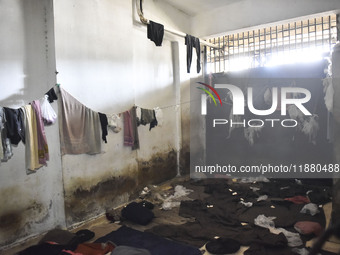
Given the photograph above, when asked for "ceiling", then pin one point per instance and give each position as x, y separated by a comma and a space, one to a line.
194, 7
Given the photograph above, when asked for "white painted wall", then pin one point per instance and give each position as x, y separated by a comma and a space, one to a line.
105, 60
30, 204
251, 13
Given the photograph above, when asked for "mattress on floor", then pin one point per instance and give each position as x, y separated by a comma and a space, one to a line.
155, 244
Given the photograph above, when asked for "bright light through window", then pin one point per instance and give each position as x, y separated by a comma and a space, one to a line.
296, 42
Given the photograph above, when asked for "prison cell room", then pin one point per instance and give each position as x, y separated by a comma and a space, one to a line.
162, 127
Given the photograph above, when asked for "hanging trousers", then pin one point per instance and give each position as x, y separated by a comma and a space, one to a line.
193, 42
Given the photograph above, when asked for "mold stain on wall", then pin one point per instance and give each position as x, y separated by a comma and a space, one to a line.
85, 200
17, 222
82, 204
159, 168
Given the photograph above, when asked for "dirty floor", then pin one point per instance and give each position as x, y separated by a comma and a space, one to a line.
101, 226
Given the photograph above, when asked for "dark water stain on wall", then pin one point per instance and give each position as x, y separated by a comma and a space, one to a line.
16, 223
184, 160
159, 168
82, 204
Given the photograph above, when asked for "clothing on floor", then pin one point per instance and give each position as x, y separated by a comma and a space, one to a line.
193, 42
95, 248
155, 32
137, 213
60, 236
298, 199
43, 154
51, 95
46, 248
308, 227
153, 243
220, 214
31, 134
222, 246
13, 124
130, 129
79, 127
128, 250
103, 124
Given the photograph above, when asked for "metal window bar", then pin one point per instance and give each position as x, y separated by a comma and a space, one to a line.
259, 46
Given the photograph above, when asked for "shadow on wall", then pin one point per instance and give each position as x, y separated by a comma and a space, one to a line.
38, 65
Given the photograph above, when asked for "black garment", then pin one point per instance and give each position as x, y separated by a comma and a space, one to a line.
21, 128
155, 32
47, 248
13, 125
223, 246
193, 42
103, 124
134, 128
51, 95
155, 244
137, 213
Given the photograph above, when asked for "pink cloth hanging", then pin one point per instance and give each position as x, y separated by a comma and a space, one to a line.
42, 141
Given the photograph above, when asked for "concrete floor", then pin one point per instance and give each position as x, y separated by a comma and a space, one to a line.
101, 226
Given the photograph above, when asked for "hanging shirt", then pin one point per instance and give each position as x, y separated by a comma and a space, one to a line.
79, 127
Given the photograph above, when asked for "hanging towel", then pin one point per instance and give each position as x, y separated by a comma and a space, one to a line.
130, 129
79, 127
51, 95
103, 124
193, 42
128, 134
155, 32
42, 141
31, 134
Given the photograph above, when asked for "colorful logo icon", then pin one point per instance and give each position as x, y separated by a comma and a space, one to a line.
209, 93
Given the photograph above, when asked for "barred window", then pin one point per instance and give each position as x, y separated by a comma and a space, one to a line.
299, 41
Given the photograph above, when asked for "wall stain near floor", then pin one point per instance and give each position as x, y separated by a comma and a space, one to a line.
184, 160
83, 204
17, 222
159, 168
84, 200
